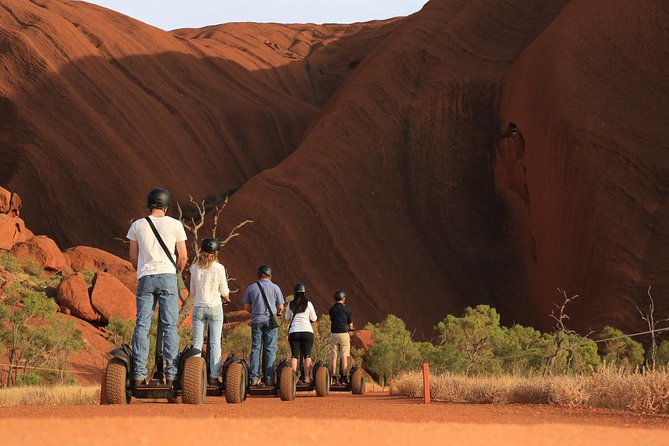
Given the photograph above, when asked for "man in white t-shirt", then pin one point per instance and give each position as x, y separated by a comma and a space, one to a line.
157, 282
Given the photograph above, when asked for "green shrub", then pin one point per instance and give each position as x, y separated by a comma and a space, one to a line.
10, 263
622, 351
89, 274
120, 330
28, 379
33, 268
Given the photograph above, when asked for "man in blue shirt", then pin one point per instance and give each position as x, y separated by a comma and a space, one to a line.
262, 333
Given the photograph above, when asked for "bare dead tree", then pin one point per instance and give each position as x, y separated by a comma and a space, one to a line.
653, 329
562, 332
193, 225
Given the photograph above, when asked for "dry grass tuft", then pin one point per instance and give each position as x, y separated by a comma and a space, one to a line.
50, 396
610, 388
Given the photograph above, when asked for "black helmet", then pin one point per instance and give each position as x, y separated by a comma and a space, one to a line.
158, 199
264, 270
300, 288
339, 295
210, 245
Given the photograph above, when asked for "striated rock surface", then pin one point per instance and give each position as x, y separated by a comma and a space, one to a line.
72, 293
111, 298
42, 250
86, 258
373, 157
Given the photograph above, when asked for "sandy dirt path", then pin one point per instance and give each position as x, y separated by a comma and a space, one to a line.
340, 419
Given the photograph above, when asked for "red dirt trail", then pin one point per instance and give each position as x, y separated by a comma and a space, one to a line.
341, 418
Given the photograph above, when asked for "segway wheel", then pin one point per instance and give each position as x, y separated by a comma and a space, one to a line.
115, 382
194, 381
235, 383
322, 381
287, 384
358, 382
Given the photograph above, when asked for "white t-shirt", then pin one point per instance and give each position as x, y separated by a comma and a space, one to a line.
152, 259
207, 285
301, 321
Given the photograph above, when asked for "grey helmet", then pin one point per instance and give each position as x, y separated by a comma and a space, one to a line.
158, 199
264, 270
210, 245
300, 288
339, 295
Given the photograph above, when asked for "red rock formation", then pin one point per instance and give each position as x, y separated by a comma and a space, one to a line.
92, 359
42, 250
122, 107
111, 298
12, 231
72, 293
86, 258
382, 168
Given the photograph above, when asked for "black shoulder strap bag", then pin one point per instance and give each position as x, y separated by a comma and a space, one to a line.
274, 320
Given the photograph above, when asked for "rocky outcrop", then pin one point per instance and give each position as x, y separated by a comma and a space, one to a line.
42, 250
72, 293
12, 231
86, 258
111, 298
10, 203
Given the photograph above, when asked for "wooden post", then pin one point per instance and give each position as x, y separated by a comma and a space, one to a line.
103, 392
426, 383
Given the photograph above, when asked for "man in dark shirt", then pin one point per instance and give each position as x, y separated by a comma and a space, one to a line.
340, 339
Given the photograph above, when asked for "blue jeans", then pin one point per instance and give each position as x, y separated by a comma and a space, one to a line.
263, 335
152, 289
213, 315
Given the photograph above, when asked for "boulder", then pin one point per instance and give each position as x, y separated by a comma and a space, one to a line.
15, 205
44, 251
111, 298
85, 258
5, 199
72, 293
362, 339
12, 230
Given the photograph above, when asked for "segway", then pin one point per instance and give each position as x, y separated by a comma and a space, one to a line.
190, 383
237, 383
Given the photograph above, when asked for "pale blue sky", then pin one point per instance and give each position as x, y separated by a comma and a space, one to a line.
171, 14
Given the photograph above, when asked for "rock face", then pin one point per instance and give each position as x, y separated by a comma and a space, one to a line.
111, 298
42, 250
374, 157
86, 258
72, 293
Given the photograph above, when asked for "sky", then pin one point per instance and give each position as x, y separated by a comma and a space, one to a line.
172, 14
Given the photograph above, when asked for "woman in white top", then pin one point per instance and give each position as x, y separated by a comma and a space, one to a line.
209, 288
301, 313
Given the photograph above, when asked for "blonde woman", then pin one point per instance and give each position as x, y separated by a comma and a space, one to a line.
209, 288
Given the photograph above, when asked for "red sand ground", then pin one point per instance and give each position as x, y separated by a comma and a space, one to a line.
339, 419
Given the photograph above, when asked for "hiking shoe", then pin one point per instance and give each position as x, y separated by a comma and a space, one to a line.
269, 383
169, 382
307, 380
255, 382
140, 382
213, 381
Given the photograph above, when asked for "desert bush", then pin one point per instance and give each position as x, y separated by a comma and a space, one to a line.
610, 387
620, 350
237, 341
10, 263
50, 396
120, 330
32, 268
393, 351
89, 275
28, 379
35, 336
663, 354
